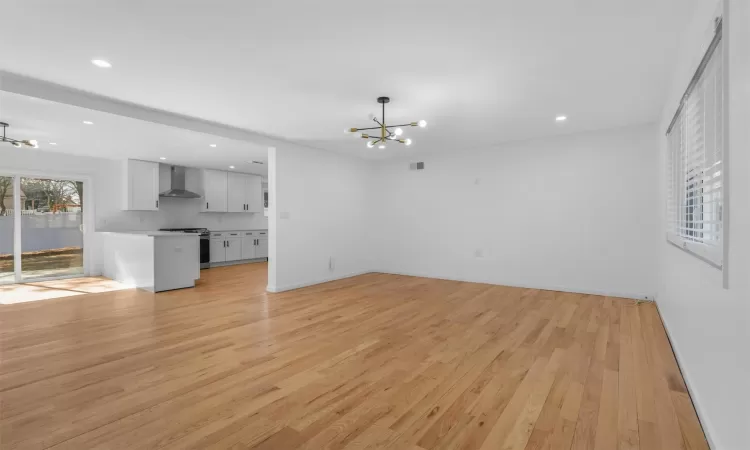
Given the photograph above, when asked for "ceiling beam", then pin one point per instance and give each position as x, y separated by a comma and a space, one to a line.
31, 87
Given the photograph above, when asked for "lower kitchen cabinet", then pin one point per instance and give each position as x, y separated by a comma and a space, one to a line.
261, 248
248, 245
234, 247
229, 246
217, 250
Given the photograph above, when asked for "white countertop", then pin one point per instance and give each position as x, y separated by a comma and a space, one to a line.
154, 233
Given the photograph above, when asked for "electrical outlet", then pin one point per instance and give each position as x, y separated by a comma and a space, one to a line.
284, 215
479, 253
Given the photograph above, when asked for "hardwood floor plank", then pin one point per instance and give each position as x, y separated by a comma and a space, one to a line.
374, 361
627, 410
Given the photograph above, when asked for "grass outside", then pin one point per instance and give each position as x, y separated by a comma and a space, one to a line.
45, 260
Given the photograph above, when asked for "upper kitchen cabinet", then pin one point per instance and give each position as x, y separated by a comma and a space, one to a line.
254, 194
141, 192
245, 194
215, 189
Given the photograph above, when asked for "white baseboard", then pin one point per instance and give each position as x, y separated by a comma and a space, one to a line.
574, 290
290, 287
705, 423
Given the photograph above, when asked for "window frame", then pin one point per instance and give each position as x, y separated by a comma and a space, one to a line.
681, 197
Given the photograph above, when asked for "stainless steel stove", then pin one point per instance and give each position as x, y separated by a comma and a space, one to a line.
205, 243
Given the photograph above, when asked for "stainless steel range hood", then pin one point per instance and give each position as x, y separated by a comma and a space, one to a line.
177, 190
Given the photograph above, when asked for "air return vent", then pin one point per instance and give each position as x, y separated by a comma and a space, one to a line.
416, 166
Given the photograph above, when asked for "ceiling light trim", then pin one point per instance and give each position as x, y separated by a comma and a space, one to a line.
101, 63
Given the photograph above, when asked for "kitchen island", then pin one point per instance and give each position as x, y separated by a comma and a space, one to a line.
152, 260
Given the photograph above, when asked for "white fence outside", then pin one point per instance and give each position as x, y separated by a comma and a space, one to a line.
24, 212
42, 231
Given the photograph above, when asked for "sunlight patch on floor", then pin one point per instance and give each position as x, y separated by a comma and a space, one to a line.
45, 290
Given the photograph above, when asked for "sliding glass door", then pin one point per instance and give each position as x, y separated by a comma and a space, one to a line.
41, 228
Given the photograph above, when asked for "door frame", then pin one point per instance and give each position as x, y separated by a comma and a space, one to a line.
88, 219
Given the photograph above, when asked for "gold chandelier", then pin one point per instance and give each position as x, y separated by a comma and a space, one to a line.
15, 142
386, 134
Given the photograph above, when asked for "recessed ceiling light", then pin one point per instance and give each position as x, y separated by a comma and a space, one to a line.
162, 158
101, 63
231, 167
53, 143
88, 122
561, 118
212, 145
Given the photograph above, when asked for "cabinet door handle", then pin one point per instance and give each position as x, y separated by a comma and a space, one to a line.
157, 203
206, 205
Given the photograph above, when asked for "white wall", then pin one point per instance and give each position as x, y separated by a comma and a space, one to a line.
573, 213
320, 207
106, 176
708, 324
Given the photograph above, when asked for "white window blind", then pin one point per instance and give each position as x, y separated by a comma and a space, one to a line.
695, 163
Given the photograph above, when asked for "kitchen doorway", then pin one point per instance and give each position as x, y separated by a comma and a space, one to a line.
41, 228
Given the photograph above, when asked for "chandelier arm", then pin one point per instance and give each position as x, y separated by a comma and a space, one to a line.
402, 125
371, 128
377, 121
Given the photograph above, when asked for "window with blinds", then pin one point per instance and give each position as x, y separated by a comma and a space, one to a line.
695, 163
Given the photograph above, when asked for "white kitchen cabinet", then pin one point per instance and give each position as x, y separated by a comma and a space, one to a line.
254, 191
230, 246
236, 192
234, 246
141, 185
214, 190
248, 245
244, 193
261, 248
231, 192
218, 250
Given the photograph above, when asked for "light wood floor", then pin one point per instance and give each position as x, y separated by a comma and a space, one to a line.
376, 361
44, 290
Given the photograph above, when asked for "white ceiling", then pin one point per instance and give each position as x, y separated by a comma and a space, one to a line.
480, 72
117, 137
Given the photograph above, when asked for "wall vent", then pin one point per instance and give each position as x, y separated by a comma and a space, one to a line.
416, 166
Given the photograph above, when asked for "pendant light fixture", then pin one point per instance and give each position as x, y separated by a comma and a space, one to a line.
16, 143
387, 133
